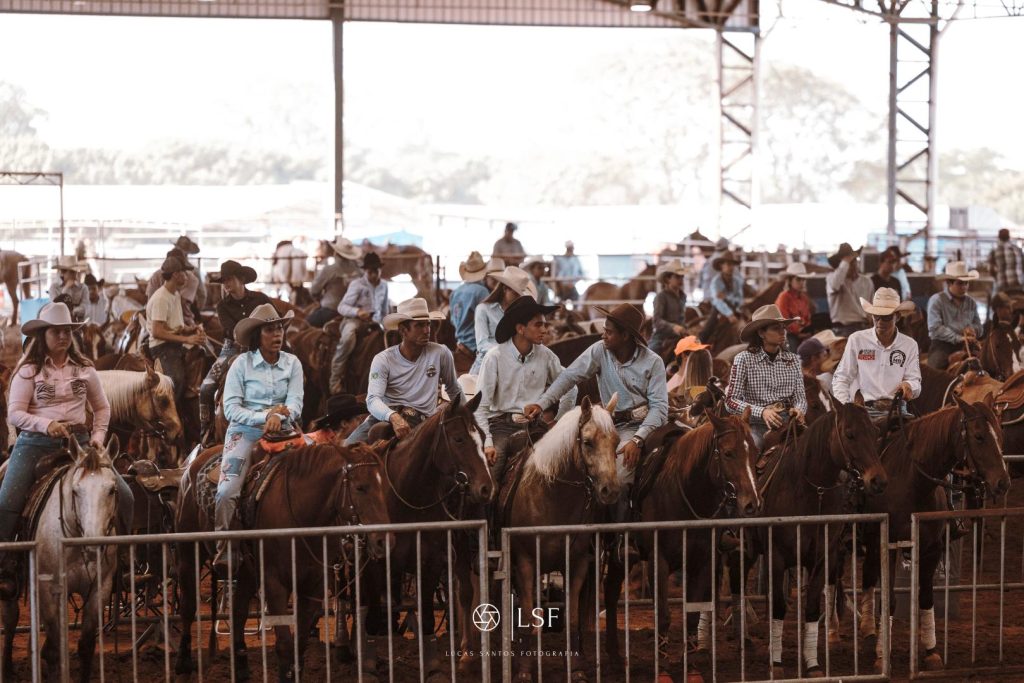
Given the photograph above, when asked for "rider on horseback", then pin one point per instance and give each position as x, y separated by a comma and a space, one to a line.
952, 315
669, 307
67, 285
329, 284
513, 283
366, 300
725, 294
344, 414
476, 285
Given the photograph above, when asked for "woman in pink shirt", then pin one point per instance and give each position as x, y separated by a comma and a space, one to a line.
50, 388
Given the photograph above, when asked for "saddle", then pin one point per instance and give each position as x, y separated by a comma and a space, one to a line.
1012, 392
520, 446
48, 472
656, 449
154, 479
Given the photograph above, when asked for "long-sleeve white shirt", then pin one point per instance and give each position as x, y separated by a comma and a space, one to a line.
876, 368
844, 294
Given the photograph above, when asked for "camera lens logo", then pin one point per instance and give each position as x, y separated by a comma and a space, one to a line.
486, 617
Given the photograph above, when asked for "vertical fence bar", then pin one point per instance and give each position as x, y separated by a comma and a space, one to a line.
506, 606
295, 610
485, 599
229, 586
714, 606
61, 599
98, 595
686, 613
799, 603
856, 605
567, 603
743, 609
914, 598
358, 625
419, 604
828, 607
771, 598
597, 605
199, 611
133, 617
451, 610
945, 607
974, 591
326, 613
389, 618
1002, 579
654, 593
33, 611
537, 594
263, 613
886, 589
625, 562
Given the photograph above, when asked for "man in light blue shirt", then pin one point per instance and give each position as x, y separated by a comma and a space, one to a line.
952, 316
567, 270
365, 301
467, 296
725, 295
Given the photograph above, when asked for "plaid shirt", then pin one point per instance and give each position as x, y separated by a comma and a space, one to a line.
1007, 265
756, 381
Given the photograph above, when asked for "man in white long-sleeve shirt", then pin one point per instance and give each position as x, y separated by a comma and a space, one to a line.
844, 285
513, 375
881, 360
404, 379
365, 301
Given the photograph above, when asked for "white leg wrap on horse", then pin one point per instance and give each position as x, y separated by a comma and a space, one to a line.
866, 610
775, 642
704, 630
878, 645
811, 644
926, 628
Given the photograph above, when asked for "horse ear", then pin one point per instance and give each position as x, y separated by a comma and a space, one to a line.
113, 447
746, 415
585, 408
474, 403
152, 378
75, 449
858, 399
829, 401
612, 402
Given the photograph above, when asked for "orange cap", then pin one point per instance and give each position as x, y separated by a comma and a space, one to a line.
690, 343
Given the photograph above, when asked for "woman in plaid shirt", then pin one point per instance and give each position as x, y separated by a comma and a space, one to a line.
766, 374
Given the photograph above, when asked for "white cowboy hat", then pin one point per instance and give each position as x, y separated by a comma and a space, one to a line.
70, 263
797, 269
828, 337
518, 280
51, 315
345, 249
264, 314
468, 384
671, 267
474, 269
412, 309
886, 302
763, 317
957, 270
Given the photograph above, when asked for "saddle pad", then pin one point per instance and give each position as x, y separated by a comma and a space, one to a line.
37, 497
257, 479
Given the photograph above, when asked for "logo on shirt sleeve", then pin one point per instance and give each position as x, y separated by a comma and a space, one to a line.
431, 371
866, 354
897, 357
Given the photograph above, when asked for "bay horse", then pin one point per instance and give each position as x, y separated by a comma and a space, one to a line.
821, 472
437, 473
10, 274
965, 437
313, 486
707, 474
142, 401
82, 504
637, 288
1000, 350
567, 476
94, 344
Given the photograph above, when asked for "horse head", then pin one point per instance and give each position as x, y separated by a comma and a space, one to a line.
93, 344
982, 450
733, 450
1000, 350
459, 451
157, 409
90, 491
362, 498
853, 444
596, 444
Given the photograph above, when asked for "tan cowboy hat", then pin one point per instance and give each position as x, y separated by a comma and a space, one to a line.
886, 302
671, 267
763, 317
467, 383
264, 314
828, 338
628, 317
957, 270
534, 261
51, 315
345, 249
70, 263
412, 309
518, 280
475, 269
797, 270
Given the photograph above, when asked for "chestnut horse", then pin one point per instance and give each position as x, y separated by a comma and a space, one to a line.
638, 288
10, 273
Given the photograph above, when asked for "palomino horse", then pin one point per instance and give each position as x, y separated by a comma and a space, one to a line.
638, 288
435, 474
965, 437
566, 478
312, 486
83, 503
10, 273
142, 401
707, 474
805, 477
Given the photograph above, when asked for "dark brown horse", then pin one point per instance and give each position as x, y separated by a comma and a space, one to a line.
313, 486
936, 390
10, 274
965, 437
999, 349
707, 474
806, 477
636, 289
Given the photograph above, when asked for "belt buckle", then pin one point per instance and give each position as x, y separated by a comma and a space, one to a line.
409, 412
520, 419
638, 413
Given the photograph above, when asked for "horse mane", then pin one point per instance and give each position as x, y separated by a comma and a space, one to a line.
315, 459
698, 445
92, 459
551, 454
927, 433
124, 387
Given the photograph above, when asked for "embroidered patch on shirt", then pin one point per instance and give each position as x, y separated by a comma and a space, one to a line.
897, 357
431, 371
866, 354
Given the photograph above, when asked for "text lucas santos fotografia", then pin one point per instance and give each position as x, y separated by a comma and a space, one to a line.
487, 618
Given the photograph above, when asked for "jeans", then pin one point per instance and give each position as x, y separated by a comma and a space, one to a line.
321, 316
938, 353
362, 432
346, 345
208, 389
234, 464
502, 430
21, 475
172, 363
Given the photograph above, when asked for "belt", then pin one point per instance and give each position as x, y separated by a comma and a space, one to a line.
514, 418
406, 411
635, 415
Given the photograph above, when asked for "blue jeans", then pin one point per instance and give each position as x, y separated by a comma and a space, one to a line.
362, 432
321, 317
21, 475
234, 465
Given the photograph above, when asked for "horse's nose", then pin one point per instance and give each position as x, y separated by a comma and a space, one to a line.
750, 509
485, 492
1003, 486
878, 485
604, 491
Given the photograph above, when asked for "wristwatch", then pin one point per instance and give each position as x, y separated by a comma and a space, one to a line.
638, 441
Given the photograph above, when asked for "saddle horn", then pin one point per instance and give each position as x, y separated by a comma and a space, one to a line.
612, 402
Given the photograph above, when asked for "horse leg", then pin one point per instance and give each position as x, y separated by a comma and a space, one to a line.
425, 604
186, 606
467, 586
525, 588
244, 590
49, 602
578, 578
659, 570
926, 606
612, 590
812, 613
866, 607
10, 620
778, 612
91, 624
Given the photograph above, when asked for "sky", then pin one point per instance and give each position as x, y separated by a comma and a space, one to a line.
126, 81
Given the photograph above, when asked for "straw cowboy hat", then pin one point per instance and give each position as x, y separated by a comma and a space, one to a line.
518, 280
886, 302
828, 338
797, 270
671, 267
467, 383
688, 344
186, 245
520, 312
51, 315
763, 317
346, 250
412, 309
728, 256
475, 269
339, 407
234, 269
844, 250
70, 263
534, 261
264, 314
628, 317
957, 270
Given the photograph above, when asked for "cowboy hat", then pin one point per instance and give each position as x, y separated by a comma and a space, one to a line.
728, 256
671, 267
763, 317
722, 244
886, 302
467, 383
533, 261
339, 407
628, 317
828, 338
895, 251
234, 269
688, 344
520, 312
797, 270
173, 264
957, 270
518, 280
411, 309
51, 315
475, 269
264, 314
844, 250
70, 263
186, 245
345, 249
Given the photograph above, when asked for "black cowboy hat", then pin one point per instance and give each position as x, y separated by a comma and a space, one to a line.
895, 251
520, 312
186, 245
234, 269
628, 317
173, 264
339, 407
371, 260
844, 250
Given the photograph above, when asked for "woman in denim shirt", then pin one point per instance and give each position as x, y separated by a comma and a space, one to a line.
262, 395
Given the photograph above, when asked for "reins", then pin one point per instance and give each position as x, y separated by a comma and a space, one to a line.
727, 488
460, 480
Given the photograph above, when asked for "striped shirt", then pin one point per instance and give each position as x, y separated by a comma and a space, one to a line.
757, 381
1007, 265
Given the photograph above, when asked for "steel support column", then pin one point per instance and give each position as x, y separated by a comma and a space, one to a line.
338, 44
737, 59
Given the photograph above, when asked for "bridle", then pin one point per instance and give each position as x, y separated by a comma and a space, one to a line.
727, 488
587, 482
966, 466
854, 477
345, 500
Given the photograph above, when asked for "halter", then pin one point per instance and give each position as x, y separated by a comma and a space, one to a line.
587, 483
966, 467
726, 487
348, 502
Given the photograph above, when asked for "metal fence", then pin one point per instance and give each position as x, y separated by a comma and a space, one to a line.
25, 555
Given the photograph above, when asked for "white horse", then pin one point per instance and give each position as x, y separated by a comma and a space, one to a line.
82, 504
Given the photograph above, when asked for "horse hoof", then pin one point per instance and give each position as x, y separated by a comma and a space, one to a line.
664, 677
814, 672
933, 661
878, 666
693, 677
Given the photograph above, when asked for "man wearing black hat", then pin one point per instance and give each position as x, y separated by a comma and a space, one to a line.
513, 375
344, 413
193, 292
365, 301
168, 333
846, 286
236, 304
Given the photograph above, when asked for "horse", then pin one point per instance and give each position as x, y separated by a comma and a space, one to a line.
1000, 350
707, 473
346, 486
806, 477
566, 477
94, 344
142, 401
636, 289
81, 504
437, 473
966, 437
10, 274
